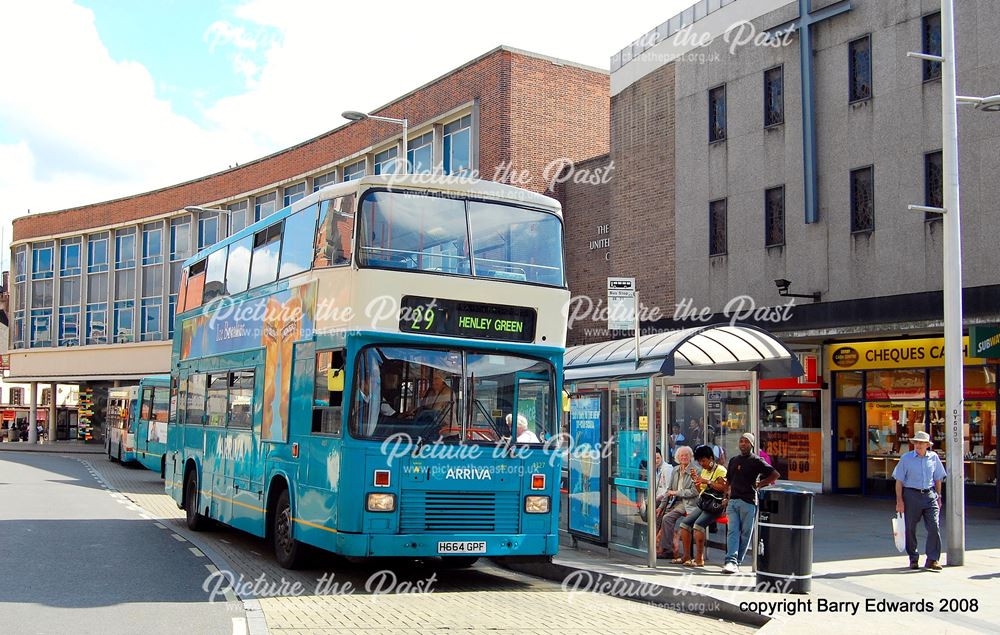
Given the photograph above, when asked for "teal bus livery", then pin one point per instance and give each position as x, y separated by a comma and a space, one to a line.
375, 371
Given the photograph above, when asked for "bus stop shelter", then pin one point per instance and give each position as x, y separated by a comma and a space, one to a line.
630, 396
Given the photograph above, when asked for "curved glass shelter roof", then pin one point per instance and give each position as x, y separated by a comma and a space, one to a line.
726, 346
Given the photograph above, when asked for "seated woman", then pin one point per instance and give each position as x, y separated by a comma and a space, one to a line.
713, 476
681, 500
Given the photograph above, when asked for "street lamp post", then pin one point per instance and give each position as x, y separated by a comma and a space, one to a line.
954, 389
355, 115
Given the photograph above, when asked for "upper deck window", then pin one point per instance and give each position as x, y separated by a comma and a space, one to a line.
414, 232
513, 243
332, 246
430, 233
264, 262
296, 254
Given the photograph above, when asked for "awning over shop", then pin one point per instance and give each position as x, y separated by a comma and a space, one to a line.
709, 347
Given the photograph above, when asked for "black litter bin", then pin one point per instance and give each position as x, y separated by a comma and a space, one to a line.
785, 540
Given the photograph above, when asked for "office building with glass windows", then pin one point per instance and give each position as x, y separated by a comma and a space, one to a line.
94, 288
760, 184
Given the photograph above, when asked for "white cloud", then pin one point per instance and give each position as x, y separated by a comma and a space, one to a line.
87, 127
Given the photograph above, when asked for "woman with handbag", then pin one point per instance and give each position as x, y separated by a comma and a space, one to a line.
682, 496
712, 499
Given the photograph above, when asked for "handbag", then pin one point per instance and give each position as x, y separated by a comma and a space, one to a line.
711, 501
899, 532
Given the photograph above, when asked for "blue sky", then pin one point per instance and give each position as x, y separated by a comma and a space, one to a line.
169, 38
108, 98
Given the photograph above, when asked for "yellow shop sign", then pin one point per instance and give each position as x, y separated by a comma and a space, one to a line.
911, 353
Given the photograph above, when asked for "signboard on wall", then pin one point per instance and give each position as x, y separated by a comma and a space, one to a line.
621, 304
905, 353
586, 491
985, 341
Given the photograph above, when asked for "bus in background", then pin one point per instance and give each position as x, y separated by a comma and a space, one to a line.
375, 371
150, 424
119, 432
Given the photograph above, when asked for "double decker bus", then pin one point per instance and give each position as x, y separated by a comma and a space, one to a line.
137, 423
376, 371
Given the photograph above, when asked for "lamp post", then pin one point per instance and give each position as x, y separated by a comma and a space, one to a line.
954, 389
355, 115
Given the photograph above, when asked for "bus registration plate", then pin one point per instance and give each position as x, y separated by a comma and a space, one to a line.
472, 546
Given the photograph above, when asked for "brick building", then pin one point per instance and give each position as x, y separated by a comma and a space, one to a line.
94, 287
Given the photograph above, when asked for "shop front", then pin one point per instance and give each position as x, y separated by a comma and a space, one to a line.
623, 407
883, 392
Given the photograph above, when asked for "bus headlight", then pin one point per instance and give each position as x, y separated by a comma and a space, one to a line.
536, 504
381, 502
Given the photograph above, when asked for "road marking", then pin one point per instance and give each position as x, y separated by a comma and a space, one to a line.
179, 538
197, 552
145, 516
239, 626
159, 526
212, 568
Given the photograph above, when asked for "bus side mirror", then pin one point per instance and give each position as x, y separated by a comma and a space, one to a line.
335, 379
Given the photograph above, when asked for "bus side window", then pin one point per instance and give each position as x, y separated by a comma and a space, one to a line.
161, 404
332, 246
328, 392
215, 404
194, 408
195, 286
241, 399
147, 404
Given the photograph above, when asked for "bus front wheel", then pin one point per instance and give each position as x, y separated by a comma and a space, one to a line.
287, 550
195, 521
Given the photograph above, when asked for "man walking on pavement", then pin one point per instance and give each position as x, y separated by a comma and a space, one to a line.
918, 494
744, 471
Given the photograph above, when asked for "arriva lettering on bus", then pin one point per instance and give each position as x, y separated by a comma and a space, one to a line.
468, 474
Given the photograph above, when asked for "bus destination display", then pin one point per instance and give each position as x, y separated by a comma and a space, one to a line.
434, 316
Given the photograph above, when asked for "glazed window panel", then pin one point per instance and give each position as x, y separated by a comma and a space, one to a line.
931, 36
332, 246
293, 193
264, 260
774, 96
717, 114
933, 183
862, 200
896, 384
265, 205
860, 69
241, 385
297, 250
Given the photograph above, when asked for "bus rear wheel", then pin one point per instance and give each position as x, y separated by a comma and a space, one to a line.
287, 550
195, 521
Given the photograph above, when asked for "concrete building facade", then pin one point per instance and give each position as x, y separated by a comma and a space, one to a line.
709, 212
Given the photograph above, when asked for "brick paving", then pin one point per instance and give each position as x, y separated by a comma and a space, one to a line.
483, 599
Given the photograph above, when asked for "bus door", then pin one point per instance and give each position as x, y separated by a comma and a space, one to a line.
142, 424
213, 462
531, 392
317, 410
242, 453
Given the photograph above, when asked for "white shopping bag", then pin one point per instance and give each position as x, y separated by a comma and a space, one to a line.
899, 532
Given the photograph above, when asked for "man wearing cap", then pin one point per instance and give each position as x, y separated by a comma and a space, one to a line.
918, 492
744, 471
